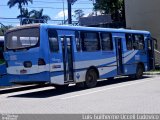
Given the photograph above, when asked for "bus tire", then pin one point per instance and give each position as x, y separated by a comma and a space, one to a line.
91, 78
139, 71
61, 87
110, 78
80, 85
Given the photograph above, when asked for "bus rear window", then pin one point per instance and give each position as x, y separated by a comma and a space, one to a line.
23, 38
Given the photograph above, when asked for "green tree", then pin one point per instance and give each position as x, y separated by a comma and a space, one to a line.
25, 16
20, 4
113, 7
78, 14
33, 16
38, 17
3, 29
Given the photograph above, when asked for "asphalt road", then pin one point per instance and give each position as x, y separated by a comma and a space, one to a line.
121, 95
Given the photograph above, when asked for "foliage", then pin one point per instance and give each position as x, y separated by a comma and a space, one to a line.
1, 61
25, 16
113, 7
38, 16
33, 16
20, 4
78, 14
3, 29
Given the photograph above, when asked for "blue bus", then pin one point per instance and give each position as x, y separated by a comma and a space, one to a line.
62, 55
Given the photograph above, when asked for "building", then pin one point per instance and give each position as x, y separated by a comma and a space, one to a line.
95, 21
101, 21
144, 15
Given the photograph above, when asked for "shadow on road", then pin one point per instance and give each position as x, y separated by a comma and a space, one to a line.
20, 88
56, 92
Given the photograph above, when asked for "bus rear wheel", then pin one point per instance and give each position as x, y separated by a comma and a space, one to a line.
91, 78
139, 71
110, 78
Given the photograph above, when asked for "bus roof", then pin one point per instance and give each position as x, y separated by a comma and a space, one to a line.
121, 30
23, 27
68, 27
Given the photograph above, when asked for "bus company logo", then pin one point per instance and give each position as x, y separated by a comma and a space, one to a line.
9, 117
56, 66
77, 75
18, 63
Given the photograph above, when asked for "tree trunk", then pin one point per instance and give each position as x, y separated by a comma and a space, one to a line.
20, 7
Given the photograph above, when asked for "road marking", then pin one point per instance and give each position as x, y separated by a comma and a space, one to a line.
104, 90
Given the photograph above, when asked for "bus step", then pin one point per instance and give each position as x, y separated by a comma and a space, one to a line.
69, 81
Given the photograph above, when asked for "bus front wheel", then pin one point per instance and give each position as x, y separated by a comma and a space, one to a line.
61, 87
139, 72
91, 78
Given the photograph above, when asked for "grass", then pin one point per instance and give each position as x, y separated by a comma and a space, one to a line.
1, 61
155, 70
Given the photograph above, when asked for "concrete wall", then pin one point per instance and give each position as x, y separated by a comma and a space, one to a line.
144, 15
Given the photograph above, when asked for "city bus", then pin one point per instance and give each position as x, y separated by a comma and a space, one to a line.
61, 55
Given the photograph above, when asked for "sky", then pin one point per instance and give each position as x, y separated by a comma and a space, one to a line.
52, 8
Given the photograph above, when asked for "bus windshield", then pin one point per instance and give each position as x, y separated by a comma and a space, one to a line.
22, 38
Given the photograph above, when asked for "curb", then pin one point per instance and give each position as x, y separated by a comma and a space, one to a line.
151, 73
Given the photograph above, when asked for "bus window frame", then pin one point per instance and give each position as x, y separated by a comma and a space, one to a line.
111, 41
131, 41
79, 40
82, 42
133, 38
57, 40
26, 48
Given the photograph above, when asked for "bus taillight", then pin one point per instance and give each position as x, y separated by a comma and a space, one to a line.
41, 61
27, 64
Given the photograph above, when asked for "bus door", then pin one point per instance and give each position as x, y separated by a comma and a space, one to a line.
118, 44
150, 53
67, 52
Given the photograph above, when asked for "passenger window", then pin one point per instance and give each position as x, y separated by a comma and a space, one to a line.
90, 41
138, 42
77, 37
107, 44
53, 40
129, 41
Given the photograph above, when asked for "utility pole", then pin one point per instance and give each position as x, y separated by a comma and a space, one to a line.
70, 3
69, 11
64, 13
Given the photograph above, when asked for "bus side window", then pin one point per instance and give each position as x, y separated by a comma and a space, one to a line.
53, 40
107, 44
78, 42
138, 41
129, 42
90, 41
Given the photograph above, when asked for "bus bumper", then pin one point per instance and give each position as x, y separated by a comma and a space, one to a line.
29, 78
